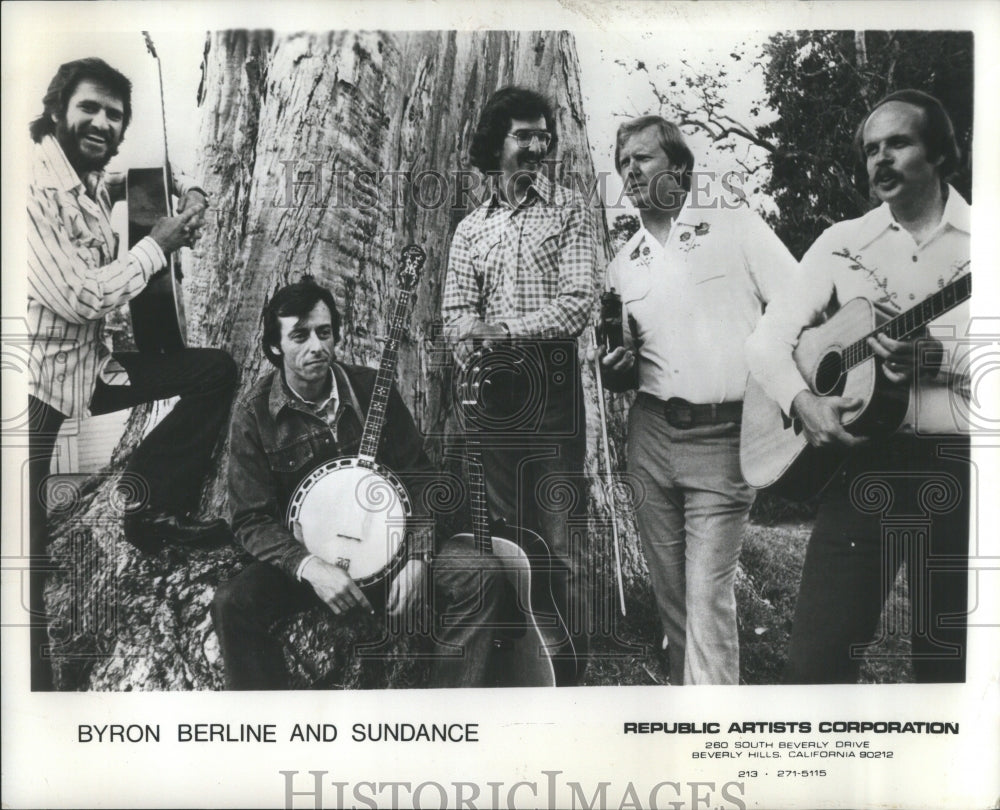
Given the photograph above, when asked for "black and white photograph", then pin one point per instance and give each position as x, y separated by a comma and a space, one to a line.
566, 405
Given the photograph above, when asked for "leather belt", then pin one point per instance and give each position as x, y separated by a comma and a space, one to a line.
684, 415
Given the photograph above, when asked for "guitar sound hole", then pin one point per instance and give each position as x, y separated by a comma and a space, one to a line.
830, 375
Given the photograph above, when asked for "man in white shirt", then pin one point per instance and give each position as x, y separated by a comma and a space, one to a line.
693, 282
909, 247
75, 278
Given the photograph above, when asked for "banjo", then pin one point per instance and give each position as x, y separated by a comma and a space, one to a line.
352, 512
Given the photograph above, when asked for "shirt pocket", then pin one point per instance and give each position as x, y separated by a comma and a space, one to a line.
292, 458
485, 258
541, 246
483, 249
635, 283
89, 246
706, 276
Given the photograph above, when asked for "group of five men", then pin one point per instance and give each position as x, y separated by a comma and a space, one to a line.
709, 294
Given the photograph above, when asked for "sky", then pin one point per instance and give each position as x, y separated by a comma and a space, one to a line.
614, 89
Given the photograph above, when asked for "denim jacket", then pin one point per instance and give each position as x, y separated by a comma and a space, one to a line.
275, 442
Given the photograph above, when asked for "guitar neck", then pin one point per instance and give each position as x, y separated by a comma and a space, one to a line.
166, 150
914, 319
375, 420
477, 485
163, 119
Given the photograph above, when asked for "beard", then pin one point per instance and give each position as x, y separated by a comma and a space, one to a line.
69, 139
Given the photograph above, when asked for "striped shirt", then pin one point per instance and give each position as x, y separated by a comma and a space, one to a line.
75, 277
532, 266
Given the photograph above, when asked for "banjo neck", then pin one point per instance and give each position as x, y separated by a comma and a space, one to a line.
412, 259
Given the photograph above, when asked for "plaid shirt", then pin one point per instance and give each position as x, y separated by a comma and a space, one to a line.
74, 275
533, 266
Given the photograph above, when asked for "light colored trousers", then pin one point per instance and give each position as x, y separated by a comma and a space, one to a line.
691, 520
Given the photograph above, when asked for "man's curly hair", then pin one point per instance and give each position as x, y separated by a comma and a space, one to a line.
64, 84
504, 106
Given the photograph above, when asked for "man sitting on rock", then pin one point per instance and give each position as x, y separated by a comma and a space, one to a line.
311, 409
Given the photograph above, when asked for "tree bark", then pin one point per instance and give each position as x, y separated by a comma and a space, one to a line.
322, 153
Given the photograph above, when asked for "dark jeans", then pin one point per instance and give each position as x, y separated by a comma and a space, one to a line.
43, 428
533, 460
171, 461
896, 501
174, 458
467, 591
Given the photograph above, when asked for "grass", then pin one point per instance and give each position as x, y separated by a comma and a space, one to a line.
766, 589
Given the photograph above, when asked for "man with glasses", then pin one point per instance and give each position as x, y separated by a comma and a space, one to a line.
522, 279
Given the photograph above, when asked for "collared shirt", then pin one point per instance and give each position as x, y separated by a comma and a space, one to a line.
328, 408
693, 300
277, 439
75, 277
875, 258
532, 266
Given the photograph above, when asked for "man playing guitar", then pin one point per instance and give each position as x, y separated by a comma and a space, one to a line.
75, 278
912, 245
308, 411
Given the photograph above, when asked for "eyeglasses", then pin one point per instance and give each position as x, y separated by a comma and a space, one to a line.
526, 137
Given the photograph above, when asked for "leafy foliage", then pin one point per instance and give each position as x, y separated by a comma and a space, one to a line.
797, 140
622, 229
821, 84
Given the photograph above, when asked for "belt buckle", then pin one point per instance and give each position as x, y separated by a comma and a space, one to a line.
680, 413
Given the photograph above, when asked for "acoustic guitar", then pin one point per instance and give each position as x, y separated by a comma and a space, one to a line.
352, 512
835, 359
532, 645
158, 322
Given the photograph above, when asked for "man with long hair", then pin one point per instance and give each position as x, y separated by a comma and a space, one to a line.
76, 278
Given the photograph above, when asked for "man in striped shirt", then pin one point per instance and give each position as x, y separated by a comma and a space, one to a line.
522, 279
75, 278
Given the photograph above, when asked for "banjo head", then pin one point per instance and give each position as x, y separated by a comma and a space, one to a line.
352, 515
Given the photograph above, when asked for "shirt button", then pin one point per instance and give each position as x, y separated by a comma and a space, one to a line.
60, 377
61, 357
914, 257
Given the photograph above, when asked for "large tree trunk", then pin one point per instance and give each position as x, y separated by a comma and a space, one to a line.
304, 139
